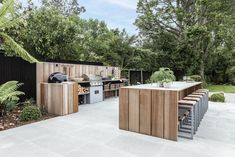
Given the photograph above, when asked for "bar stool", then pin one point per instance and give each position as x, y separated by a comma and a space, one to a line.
200, 104
197, 109
190, 119
206, 91
204, 100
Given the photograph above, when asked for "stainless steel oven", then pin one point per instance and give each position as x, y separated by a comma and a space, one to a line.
96, 94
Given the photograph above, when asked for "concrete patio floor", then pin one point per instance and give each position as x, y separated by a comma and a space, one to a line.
93, 132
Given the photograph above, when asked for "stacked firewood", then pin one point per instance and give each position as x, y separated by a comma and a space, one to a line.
82, 90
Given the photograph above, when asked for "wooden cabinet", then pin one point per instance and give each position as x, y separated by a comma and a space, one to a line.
60, 98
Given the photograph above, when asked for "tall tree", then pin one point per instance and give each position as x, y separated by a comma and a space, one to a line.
192, 25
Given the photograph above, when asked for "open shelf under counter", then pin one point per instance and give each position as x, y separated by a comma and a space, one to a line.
110, 90
84, 93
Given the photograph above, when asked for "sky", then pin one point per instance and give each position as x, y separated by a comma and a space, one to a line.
116, 13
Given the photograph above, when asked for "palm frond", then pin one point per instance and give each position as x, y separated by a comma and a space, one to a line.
14, 96
7, 6
8, 91
6, 23
19, 51
9, 86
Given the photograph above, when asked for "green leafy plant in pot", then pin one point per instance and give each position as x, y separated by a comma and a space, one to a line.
163, 77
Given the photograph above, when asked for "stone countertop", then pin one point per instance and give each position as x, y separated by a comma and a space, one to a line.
176, 86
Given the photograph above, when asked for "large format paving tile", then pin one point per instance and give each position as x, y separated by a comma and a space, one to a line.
95, 150
59, 144
27, 149
9, 141
172, 151
136, 146
94, 132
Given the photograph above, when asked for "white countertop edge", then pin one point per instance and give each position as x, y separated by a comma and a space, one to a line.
176, 86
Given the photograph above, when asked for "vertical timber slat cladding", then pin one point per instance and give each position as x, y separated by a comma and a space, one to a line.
134, 110
75, 101
152, 111
60, 98
75, 71
15, 68
158, 113
171, 115
124, 109
145, 111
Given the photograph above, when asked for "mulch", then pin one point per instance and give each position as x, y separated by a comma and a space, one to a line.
12, 119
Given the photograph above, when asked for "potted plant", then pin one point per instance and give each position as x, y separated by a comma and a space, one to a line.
167, 83
164, 75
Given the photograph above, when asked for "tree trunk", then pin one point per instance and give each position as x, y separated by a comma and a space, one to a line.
202, 70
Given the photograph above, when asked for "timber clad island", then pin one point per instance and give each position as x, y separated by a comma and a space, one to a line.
152, 110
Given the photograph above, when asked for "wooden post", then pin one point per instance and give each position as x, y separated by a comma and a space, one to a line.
142, 77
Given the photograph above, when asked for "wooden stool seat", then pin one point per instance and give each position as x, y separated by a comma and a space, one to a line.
187, 102
192, 98
198, 93
203, 90
195, 95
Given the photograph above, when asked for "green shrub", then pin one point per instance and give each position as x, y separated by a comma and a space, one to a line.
196, 77
30, 113
10, 105
217, 97
29, 102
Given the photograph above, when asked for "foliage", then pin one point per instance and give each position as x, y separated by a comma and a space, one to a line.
66, 7
163, 75
196, 77
217, 97
7, 21
10, 105
30, 113
8, 91
188, 34
231, 75
9, 96
29, 102
51, 35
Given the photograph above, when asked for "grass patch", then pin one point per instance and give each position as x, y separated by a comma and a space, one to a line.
221, 88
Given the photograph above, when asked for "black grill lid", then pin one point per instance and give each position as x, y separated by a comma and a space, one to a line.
57, 77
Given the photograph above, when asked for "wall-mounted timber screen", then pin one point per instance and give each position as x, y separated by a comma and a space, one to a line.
44, 69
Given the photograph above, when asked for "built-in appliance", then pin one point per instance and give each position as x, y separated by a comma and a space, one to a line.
96, 89
57, 77
95, 85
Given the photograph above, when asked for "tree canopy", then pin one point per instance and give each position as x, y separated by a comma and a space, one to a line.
188, 36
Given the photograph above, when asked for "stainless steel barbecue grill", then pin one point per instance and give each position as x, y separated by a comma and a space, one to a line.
95, 80
96, 88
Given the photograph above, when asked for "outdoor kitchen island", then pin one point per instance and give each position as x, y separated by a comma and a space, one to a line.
152, 110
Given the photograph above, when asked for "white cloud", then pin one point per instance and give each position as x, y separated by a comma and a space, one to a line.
129, 4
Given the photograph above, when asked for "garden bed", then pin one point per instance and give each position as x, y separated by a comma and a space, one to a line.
12, 119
